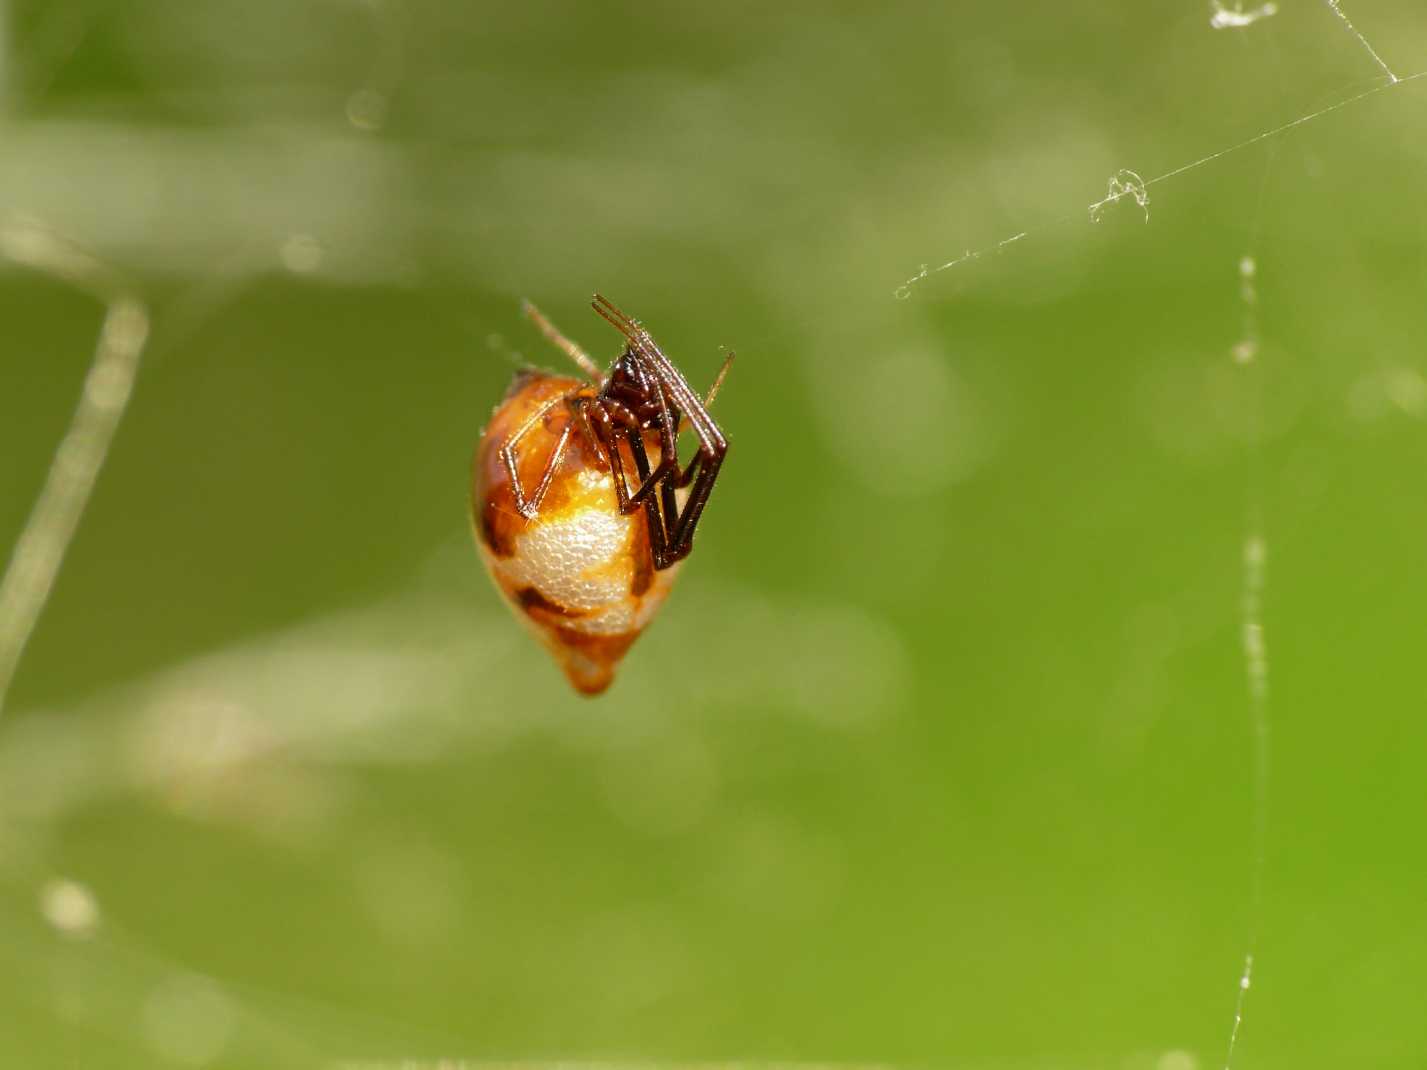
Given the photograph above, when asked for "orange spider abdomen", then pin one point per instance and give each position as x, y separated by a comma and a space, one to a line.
580, 573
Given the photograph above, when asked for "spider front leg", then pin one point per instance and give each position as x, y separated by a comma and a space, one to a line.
530, 508
656, 520
604, 428
671, 532
686, 476
682, 539
706, 462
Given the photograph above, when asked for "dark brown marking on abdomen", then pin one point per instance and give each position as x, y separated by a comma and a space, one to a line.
531, 599
495, 530
643, 570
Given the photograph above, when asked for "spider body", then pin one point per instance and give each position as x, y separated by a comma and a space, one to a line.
582, 556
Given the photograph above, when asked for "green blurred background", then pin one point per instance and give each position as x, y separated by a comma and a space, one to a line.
942, 752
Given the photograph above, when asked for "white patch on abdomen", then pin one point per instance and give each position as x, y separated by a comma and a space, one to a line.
579, 560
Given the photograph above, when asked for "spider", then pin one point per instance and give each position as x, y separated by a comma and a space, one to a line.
642, 391
581, 507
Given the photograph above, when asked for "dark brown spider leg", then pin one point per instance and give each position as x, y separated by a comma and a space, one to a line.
668, 446
668, 461
658, 532
649, 480
681, 541
662, 369
668, 500
660, 475
663, 476
530, 508
668, 418
603, 432
607, 434
670, 504
713, 447
677, 528
684, 399
667, 512
686, 476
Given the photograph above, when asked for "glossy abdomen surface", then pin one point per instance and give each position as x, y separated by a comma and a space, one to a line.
579, 573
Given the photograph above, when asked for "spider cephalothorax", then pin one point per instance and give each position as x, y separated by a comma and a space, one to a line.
582, 509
